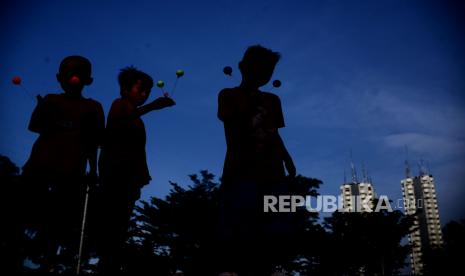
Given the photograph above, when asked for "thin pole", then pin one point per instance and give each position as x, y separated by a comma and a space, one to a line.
174, 87
27, 92
83, 226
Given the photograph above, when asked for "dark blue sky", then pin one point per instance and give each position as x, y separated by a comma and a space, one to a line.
371, 76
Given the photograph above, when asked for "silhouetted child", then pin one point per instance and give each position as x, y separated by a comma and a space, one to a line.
69, 128
255, 160
122, 164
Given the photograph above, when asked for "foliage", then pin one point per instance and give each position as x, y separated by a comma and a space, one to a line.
368, 242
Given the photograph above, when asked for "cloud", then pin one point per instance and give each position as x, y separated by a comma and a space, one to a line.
438, 147
369, 103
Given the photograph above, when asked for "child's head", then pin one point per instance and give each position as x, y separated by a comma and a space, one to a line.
134, 85
74, 73
257, 65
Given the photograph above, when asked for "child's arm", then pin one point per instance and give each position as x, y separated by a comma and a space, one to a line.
157, 104
39, 118
92, 157
93, 128
126, 114
278, 120
288, 162
96, 141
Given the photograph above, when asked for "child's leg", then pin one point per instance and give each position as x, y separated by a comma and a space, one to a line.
117, 207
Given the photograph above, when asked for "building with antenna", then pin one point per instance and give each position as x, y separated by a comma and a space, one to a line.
355, 193
420, 201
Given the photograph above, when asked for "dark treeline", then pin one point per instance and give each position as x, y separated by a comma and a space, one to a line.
177, 234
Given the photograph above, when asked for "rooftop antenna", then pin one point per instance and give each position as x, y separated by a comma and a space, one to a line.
369, 177
407, 165
364, 173
428, 168
421, 167
354, 172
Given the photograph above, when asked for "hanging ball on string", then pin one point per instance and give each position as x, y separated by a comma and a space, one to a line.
16, 80
160, 84
179, 73
227, 70
277, 83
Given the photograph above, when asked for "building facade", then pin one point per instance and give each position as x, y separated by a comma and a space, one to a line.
420, 201
357, 197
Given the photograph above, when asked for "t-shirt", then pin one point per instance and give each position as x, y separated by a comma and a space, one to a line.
69, 129
123, 156
251, 125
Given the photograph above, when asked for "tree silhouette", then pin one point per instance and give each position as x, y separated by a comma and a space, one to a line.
180, 230
19, 238
11, 238
449, 258
454, 246
367, 243
178, 233
302, 252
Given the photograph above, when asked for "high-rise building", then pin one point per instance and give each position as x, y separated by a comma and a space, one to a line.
420, 201
355, 193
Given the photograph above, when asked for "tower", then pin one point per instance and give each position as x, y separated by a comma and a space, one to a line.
420, 201
355, 193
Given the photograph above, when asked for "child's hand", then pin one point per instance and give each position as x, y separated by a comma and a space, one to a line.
92, 179
162, 102
291, 170
40, 100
